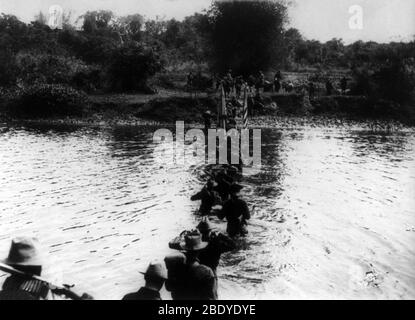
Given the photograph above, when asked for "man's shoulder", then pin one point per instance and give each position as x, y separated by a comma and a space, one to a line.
241, 202
131, 296
142, 294
200, 271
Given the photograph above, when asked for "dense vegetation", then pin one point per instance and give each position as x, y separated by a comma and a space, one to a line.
100, 52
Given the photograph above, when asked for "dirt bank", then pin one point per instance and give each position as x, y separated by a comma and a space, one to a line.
167, 107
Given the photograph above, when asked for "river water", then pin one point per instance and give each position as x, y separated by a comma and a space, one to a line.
333, 210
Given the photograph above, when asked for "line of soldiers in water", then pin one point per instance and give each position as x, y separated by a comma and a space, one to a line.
189, 274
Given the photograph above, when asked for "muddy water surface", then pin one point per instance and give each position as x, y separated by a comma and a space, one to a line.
333, 210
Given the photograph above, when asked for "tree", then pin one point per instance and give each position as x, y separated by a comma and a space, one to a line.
247, 36
129, 27
41, 18
98, 22
388, 73
292, 40
12, 37
132, 64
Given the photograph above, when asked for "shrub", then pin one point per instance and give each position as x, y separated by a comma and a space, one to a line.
8, 69
88, 78
40, 68
392, 80
40, 101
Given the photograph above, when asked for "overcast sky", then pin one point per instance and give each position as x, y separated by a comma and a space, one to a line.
383, 20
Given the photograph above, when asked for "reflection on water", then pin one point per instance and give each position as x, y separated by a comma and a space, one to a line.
333, 210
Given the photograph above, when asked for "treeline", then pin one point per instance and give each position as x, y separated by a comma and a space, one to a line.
103, 52
97, 56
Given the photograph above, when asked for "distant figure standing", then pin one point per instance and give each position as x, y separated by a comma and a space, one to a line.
343, 85
190, 80
207, 117
251, 81
329, 87
218, 81
277, 82
311, 90
228, 82
236, 212
260, 81
155, 276
239, 82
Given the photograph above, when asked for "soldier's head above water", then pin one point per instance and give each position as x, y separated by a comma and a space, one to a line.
234, 189
204, 227
192, 245
155, 276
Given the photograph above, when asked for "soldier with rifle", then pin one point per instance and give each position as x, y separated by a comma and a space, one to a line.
236, 212
208, 196
24, 265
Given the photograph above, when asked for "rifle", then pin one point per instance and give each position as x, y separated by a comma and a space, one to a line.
63, 290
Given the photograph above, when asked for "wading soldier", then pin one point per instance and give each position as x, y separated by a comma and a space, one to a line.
224, 182
176, 273
192, 280
218, 244
208, 196
155, 276
236, 212
200, 281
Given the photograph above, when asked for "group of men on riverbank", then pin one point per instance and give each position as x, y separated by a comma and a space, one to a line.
257, 83
189, 274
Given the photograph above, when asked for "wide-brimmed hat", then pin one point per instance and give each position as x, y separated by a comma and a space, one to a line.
235, 188
193, 242
24, 251
204, 225
155, 270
